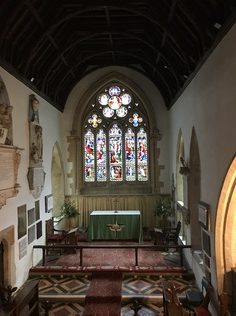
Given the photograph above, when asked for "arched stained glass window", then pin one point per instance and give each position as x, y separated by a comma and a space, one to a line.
142, 155
101, 156
89, 156
115, 151
115, 137
130, 155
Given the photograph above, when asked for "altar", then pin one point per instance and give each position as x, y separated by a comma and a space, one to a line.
115, 225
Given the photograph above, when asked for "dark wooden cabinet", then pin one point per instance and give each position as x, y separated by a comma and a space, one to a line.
233, 290
25, 302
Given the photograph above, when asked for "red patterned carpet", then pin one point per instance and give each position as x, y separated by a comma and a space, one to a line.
115, 257
104, 294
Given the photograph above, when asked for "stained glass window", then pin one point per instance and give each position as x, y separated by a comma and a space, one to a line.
101, 156
89, 156
142, 155
130, 155
115, 151
115, 137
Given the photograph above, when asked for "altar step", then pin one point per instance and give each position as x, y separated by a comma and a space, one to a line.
104, 294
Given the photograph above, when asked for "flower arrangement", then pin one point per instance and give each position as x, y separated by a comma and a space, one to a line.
163, 209
68, 209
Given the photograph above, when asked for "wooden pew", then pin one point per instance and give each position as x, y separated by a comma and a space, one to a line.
171, 303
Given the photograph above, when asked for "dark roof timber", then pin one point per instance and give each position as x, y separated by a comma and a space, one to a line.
51, 45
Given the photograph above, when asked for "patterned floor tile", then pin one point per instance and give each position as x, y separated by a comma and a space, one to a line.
62, 309
145, 310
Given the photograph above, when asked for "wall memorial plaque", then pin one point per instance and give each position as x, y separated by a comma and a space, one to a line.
9, 164
22, 247
36, 177
36, 174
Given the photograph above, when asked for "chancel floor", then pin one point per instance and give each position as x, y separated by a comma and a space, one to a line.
65, 294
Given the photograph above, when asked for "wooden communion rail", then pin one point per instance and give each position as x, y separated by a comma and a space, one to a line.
66, 248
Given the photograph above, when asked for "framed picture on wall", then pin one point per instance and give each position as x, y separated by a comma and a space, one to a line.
31, 216
22, 247
21, 213
39, 229
31, 234
37, 210
203, 215
48, 203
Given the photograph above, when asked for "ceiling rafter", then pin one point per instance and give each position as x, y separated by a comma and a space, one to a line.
58, 42
120, 52
128, 35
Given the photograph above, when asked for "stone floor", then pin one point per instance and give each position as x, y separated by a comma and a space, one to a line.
71, 292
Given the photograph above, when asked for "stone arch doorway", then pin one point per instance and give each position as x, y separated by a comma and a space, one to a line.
225, 232
58, 180
194, 191
2, 264
181, 188
7, 256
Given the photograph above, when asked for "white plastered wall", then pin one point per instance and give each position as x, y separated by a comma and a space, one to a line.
50, 120
209, 104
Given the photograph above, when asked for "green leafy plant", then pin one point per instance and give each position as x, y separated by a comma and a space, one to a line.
68, 209
163, 208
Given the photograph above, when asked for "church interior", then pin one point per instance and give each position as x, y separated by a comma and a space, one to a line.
118, 157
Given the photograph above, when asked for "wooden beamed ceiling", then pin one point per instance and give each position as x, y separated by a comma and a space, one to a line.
51, 45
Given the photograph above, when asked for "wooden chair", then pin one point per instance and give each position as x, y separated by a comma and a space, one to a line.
198, 300
171, 303
54, 236
171, 235
203, 310
195, 297
224, 304
158, 236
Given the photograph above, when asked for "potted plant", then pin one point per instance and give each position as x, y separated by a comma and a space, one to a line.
69, 212
163, 210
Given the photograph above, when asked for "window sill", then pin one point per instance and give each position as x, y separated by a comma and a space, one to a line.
198, 256
183, 241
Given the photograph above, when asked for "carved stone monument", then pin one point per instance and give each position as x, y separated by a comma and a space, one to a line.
9, 154
36, 174
5, 117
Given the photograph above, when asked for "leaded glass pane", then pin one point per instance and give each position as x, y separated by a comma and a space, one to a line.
122, 111
135, 120
115, 153
101, 156
104, 158
107, 112
114, 90
114, 102
103, 99
142, 155
89, 157
130, 155
126, 98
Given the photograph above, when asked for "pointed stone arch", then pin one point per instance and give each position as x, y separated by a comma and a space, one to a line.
225, 232
75, 141
57, 179
194, 188
7, 240
179, 178
113, 76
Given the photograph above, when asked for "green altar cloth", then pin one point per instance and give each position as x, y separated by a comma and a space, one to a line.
115, 225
